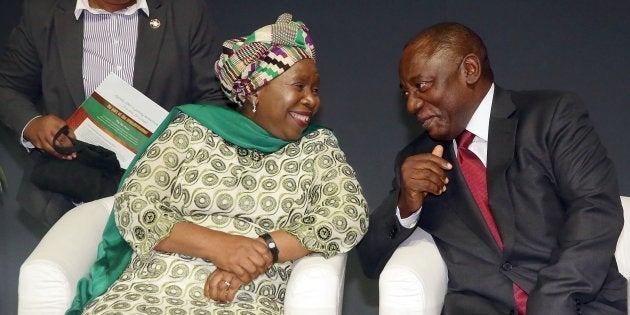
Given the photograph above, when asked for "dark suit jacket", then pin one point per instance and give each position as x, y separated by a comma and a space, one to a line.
554, 196
41, 69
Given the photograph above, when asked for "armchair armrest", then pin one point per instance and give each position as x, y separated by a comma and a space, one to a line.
415, 278
48, 277
316, 286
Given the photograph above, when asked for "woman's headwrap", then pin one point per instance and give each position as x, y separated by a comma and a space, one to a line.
248, 63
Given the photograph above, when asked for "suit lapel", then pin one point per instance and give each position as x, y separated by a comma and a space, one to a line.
149, 43
69, 32
501, 148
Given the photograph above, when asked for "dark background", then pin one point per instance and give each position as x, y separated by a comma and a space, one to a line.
579, 46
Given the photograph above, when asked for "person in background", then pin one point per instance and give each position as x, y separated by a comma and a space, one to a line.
61, 51
222, 201
515, 188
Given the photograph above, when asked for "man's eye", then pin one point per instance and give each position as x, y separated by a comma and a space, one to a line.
423, 85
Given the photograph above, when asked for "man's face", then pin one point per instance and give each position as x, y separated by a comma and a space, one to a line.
436, 91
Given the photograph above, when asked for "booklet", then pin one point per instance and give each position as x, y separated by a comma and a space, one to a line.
117, 117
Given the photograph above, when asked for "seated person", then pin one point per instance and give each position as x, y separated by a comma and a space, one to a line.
514, 186
222, 201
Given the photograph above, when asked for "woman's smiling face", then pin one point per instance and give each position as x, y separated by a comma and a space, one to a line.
285, 105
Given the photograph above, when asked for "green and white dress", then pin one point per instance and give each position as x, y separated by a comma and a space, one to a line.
189, 173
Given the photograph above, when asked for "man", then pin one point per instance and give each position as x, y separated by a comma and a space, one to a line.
63, 49
540, 235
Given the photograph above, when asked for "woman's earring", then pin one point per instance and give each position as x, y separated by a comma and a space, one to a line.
254, 106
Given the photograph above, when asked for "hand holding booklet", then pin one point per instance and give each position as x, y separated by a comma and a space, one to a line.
117, 117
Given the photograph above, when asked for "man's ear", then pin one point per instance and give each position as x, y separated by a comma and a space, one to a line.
471, 67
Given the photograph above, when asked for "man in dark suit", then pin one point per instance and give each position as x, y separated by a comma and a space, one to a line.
525, 213
63, 49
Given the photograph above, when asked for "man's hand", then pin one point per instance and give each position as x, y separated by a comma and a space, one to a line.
245, 257
422, 174
221, 286
41, 131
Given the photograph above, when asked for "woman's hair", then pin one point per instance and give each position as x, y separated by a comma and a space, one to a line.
247, 63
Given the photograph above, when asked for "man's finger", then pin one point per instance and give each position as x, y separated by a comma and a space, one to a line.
438, 150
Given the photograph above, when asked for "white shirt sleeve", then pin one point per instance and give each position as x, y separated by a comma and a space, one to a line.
25, 143
410, 221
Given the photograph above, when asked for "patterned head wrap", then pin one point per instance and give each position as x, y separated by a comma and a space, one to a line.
248, 63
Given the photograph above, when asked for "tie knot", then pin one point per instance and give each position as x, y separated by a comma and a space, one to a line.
464, 139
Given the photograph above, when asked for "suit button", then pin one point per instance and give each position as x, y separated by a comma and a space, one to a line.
393, 231
506, 266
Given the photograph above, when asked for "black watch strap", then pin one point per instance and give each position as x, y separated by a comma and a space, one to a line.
271, 244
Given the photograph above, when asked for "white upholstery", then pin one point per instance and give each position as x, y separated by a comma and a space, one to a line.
49, 275
415, 278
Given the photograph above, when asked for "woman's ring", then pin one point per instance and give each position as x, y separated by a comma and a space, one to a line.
227, 283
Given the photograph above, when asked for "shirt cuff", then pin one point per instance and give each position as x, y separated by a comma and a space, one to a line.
410, 221
25, 143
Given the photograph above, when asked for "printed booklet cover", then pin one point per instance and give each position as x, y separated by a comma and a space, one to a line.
117, 117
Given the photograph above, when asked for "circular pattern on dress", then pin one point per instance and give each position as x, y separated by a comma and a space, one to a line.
143, 171
202, 200
191, 176
173, 291
218, 165
149, 217
272, 167
210, 179
269, 184
153, 152
330, 189
325, 162
268, 203
162, 178
170, 159
246, 202
179, 271
180, 141
225, 202
249, 182
289, 184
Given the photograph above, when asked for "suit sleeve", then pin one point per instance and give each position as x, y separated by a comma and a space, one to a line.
586, 181
20, 75
385, 232
204, 51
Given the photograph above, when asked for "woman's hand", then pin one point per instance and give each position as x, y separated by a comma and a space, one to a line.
222, 286
245, 257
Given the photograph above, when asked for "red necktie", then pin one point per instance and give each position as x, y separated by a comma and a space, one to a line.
475, 174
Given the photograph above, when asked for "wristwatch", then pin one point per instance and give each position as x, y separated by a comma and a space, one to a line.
271, 244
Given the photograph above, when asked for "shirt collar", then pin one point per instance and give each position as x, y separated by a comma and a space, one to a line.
480, 121
85, 5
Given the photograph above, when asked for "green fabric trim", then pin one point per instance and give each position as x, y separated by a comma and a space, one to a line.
114, 252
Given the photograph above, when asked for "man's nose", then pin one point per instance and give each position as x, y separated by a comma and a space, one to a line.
413, 104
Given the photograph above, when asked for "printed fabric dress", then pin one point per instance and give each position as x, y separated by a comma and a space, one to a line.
191, 174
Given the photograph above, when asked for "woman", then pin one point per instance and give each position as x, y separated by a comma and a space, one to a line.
221, 202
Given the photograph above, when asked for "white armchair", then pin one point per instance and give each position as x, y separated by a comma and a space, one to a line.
407, 286
49, 276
